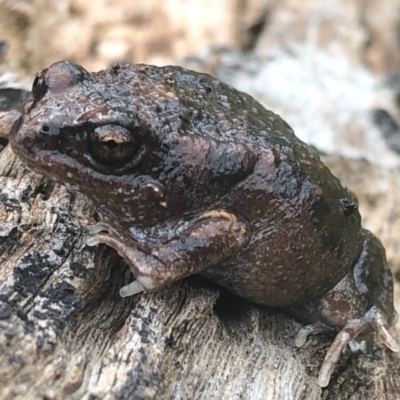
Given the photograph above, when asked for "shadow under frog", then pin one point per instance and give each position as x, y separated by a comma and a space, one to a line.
192, 176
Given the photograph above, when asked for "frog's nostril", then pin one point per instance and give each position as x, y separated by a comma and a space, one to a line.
49, 129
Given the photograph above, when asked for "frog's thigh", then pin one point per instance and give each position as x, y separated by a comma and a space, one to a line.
212, 237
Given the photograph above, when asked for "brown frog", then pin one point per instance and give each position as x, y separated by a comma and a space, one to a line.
192, 176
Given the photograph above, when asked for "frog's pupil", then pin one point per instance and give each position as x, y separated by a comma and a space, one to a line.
111, 144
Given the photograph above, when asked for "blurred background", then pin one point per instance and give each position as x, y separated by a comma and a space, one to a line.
331, 68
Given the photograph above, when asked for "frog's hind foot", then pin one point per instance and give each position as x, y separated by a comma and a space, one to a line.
372, 319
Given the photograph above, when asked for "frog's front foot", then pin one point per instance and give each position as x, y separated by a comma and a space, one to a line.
103, 233
210, 238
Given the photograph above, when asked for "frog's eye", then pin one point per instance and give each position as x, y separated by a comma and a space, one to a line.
58, 77
112, 145
39, 87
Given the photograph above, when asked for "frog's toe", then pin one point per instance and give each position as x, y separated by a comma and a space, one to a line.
332, 357
373, 318
97, 228
129, 290
380, 326
312, 329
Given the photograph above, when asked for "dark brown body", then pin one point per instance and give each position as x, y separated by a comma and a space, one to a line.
213, 147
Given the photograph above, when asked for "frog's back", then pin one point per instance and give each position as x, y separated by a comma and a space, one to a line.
192, 102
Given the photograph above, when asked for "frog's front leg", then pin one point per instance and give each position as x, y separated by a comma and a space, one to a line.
362, 300
211, 237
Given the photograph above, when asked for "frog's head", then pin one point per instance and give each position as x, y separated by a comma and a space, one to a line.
133, 139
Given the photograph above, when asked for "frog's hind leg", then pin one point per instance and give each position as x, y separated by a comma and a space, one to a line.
361, 301
373, 319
